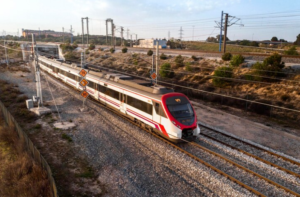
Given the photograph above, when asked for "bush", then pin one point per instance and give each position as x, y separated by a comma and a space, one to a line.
150, 53
71, 56
237, 60
165, 71
189, 68
124, 50
112, 50
163, 56
291, 51
179, 61
92, 46
274, 61
194, 58
225, 72
226, 56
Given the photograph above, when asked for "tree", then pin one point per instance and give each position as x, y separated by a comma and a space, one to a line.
297, 42
218, 38
150, 53
291, 51
124, 50
92, 46
165, 71
112, 50
211, 39
274, 39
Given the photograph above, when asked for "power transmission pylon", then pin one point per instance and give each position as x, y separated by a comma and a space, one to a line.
180, 36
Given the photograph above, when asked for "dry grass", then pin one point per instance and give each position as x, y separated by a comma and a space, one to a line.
20, 175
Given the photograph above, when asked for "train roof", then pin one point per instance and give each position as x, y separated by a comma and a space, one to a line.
124, 81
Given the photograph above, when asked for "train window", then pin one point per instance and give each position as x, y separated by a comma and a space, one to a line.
56, 69
101, 88
112, 93
159, 110
141, 105
92, 85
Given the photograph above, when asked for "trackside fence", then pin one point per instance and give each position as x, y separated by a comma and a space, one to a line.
11, 122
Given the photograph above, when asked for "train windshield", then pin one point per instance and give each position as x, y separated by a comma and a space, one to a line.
181, 109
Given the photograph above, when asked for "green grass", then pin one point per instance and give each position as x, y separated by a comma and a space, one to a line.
66, 137
88, 173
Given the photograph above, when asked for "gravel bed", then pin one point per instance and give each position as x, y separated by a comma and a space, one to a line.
131, 162
245, 177
274, 174
257, 152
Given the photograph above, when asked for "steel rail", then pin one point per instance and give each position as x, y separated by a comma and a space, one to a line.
251, 155
257, 147
168, 142
245, 169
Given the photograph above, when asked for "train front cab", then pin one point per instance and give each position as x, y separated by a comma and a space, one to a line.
182, 117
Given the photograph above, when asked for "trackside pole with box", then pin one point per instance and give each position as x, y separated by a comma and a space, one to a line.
83, 82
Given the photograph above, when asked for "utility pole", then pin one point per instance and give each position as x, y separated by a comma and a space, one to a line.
111, 21
113, 34
157, 51
221, 31
193, 32
71, 31
82, 25
122, 42
37, 73
136, 39
131, 40
63, 34
87, 30
6, 57
225, 32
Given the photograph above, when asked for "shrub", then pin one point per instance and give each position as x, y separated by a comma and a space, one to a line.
112, 50
87, 51
150, 53
163, 56
92, 46
285, 97
225, 72
226, 56
179, 61
274, 61
165, 71
291, 51
124, 50
194, 58
189, 68
237, 60
71, 56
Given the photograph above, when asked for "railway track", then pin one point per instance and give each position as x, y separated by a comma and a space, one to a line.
194, 156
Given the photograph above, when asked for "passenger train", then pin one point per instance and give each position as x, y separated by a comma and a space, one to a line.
157, 108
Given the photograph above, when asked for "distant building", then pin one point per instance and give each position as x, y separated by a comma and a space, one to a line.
151, 43
46, 33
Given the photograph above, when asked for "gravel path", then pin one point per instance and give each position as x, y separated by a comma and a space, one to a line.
249, 179
257, 152
128, 161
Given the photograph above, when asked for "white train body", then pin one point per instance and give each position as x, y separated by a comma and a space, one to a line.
158, 108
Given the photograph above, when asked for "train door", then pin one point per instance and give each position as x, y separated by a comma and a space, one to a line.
123, 103
156, 116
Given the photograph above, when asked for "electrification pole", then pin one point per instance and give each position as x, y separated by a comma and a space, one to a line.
82, 25
221, 31
37, 73
157, 51
87, 30
6, 57
122, 30
130, 40
225, 32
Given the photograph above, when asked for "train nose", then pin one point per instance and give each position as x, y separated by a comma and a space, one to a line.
188, 134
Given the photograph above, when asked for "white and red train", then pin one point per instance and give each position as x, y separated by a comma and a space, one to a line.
158, 108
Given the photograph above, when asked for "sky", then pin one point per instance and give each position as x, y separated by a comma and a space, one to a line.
258, 19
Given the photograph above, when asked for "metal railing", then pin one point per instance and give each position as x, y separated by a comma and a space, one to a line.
11, 122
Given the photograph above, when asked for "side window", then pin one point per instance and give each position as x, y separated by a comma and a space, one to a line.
161, 112
101, 88
138, 104
156, 106
91, 84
